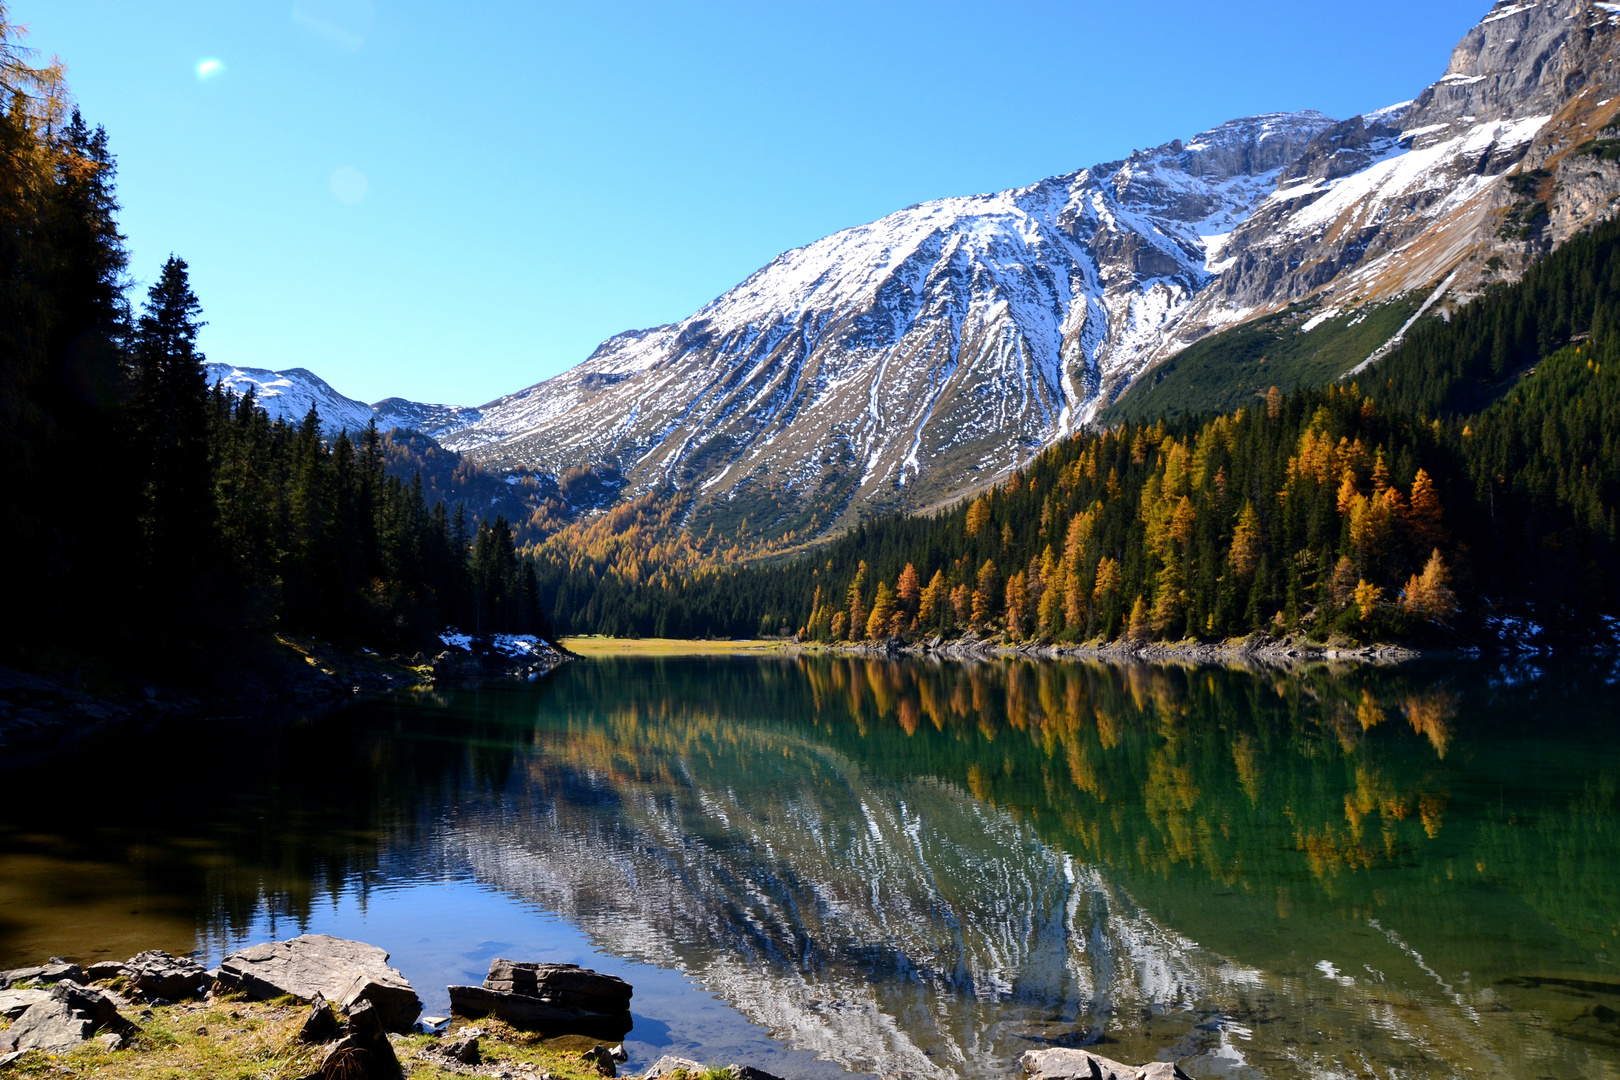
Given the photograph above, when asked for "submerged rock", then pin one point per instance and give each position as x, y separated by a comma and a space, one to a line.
1063, 1064
344, 972
555, 998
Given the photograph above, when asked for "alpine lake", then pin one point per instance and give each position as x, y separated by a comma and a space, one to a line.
824, 865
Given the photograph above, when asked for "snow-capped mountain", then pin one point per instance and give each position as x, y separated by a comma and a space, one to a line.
901, 363
1466, 184
288, 395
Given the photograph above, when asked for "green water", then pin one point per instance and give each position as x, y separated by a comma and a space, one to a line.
915, 868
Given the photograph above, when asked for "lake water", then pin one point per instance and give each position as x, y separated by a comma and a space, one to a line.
819, 865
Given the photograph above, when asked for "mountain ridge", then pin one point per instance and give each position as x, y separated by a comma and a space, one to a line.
898, 364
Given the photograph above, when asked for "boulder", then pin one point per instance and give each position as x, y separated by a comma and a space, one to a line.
669, 1064
55, 971
158, 974
559, 999
13, 1003
68, 1015
1064, 1064
465, 1049
344, 972
51, 1026
98, 1005
366, 1031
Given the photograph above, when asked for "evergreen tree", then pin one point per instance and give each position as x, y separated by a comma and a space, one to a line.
169, 437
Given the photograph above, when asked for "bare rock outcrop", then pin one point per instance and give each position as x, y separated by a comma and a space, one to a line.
344, 972
65, 1019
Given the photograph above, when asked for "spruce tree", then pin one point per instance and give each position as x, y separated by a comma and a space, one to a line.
170, 422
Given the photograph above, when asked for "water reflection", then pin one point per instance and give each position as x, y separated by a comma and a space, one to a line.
928, 868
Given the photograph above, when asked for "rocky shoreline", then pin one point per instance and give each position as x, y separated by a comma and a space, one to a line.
40, 713
1255, 651
317, 1007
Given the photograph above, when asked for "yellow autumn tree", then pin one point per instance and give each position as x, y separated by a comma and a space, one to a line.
1428, 595
1140, 629
1246, 542
933, 602
857, 605
883, 610
1367, 597
1017, 600
1423, 514
984, 595
978, 516
908, 590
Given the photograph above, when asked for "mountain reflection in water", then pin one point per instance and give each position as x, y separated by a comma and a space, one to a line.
925, 869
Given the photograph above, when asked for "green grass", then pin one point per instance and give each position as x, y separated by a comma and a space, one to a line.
1236, 367
610, 646
231, 1038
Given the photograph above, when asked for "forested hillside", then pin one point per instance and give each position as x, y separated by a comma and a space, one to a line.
148, 520
1478, 473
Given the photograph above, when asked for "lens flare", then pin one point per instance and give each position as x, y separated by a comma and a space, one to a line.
349, 184
209, 69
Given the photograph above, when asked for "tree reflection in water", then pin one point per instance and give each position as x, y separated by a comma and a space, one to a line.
931, 867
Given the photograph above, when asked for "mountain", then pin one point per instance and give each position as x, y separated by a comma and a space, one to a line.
1417, 207
288, 395
899, 364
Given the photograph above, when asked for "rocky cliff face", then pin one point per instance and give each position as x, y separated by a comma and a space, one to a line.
903, 363
1467, 184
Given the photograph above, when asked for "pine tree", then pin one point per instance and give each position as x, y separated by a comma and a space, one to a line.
170, 421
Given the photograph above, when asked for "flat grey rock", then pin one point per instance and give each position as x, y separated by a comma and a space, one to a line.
13, 1003
51, 1026
344, 972
55, 971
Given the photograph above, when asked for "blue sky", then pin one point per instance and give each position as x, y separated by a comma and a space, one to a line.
452, 201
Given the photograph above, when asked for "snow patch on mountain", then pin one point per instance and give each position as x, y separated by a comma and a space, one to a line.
288, 395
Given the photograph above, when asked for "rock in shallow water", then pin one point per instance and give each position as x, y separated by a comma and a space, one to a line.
344, 972
555, 998
1064, 1064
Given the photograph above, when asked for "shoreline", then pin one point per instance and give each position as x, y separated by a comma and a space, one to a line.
42, 714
